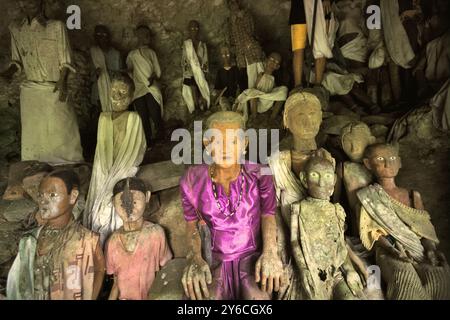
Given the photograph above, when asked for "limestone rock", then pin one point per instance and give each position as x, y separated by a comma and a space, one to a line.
379, 131
167, 284
17, 211
334, 124
18, 171
162, 175
170, 217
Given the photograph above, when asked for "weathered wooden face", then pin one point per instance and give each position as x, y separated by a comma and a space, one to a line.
319, 179
304, 121
193, 29
384, 161
273, 62
130, 205
355, 142
233, 5
225, 53
144, 36
120, 96
102, 36
54, 200
31, 8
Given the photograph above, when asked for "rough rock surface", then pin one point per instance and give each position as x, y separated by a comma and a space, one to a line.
168, 21
167, 284
170, 217
18, 210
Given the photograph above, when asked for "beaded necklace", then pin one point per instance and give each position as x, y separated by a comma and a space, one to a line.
214, 190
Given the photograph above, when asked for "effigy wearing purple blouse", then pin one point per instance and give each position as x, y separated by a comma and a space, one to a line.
236, 240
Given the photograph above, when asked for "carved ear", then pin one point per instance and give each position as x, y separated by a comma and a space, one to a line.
303, 179
148, 195
74, 196
206, 142
367, 164
372, 140
400, 162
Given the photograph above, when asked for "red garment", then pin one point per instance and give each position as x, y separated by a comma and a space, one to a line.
135, 271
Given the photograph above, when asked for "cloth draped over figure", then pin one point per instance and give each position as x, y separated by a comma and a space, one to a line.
195, 65
436, 66
395, 36
266, 94
49, 127
69, 277
237, 237
288, 191
381, 215
324, 36
375, 44
107, 63
441, 107
144, 63
120, 150
337, 80
321, 226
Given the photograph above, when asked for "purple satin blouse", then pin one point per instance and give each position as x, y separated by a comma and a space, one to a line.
240, 234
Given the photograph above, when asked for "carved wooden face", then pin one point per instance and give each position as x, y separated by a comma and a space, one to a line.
131, 206
54, 200
31, 8
384, 162
233, 5
319, 179
304, 121
226, 143
225, 53
120, 96
193, 29
355, 142
144, 36
273, 63
102, 36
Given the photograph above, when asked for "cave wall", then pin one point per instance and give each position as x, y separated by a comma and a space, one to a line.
168, 21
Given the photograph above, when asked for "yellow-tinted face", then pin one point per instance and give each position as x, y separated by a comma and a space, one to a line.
355, 142
304, 121
227, 144
273, 62
320, 180
120, 96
